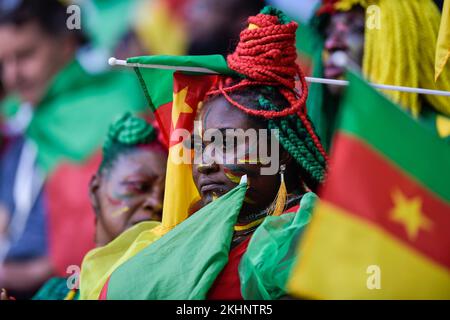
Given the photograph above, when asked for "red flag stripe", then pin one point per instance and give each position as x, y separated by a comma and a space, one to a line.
362, 181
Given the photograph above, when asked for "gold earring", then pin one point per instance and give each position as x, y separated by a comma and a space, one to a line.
280, 199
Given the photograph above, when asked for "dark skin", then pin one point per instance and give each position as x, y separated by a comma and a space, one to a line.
129, 192
344, 32
214, 179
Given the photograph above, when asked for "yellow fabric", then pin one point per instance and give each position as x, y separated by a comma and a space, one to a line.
180, 193
100, 263
443, 126
158, 30
70, 295
443, 42
337, 250
249, 225
402, 50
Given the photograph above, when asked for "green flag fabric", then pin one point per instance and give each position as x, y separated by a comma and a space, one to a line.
185, 262
72, 119
265, 267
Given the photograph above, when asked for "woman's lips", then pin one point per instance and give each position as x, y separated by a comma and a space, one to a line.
212, 187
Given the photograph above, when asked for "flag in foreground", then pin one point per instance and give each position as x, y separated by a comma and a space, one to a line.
174, 98
380, 230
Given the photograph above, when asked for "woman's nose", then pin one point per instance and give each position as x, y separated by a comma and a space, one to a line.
207, 168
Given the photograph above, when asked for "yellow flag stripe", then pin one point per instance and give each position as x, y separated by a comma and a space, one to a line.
443, 41
100, 263
179, 180
340, 255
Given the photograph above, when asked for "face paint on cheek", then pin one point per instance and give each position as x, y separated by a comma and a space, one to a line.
233, 175
113, 200
120, 211
116, 200
250, 156
249, 161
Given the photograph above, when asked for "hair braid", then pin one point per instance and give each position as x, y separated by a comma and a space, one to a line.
124, 135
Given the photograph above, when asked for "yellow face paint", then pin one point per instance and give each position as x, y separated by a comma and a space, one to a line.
248, 161
232, 177
120, 211
214, 196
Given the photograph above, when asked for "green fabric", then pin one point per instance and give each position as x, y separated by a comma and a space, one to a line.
9, 106
431, 155
54, 289
72, 119
128, 130
107, 21
157, 93
185, 262
322, 112
265, 267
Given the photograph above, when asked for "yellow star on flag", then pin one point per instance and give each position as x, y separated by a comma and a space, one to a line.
180, 106
408, 212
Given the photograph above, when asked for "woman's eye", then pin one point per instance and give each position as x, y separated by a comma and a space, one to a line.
137, 186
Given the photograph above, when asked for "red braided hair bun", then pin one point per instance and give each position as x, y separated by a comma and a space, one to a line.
266, 55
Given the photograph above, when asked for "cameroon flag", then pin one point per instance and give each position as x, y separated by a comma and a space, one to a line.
175, 87
381, 229
174, 98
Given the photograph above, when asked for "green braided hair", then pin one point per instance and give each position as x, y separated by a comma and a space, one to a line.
124, 135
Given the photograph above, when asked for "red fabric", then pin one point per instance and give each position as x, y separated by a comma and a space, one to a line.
104, 293
71, 219
267, 56
227, 285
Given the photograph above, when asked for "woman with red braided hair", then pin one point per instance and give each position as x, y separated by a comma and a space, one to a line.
263, 96
240, 245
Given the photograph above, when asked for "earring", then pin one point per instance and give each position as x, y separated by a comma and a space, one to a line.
281, 198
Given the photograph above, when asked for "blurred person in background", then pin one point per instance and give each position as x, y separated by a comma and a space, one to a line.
57, 113
214, 25
127, 189
388, 51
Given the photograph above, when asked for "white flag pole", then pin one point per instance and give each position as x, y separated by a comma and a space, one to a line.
116, 62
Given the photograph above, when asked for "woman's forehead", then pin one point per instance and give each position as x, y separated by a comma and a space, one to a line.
140, 161
218, 113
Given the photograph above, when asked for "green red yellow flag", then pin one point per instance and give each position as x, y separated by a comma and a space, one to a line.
174, 98
185, 262
380, 230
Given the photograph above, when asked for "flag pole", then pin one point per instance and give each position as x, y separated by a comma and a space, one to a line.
116, 62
